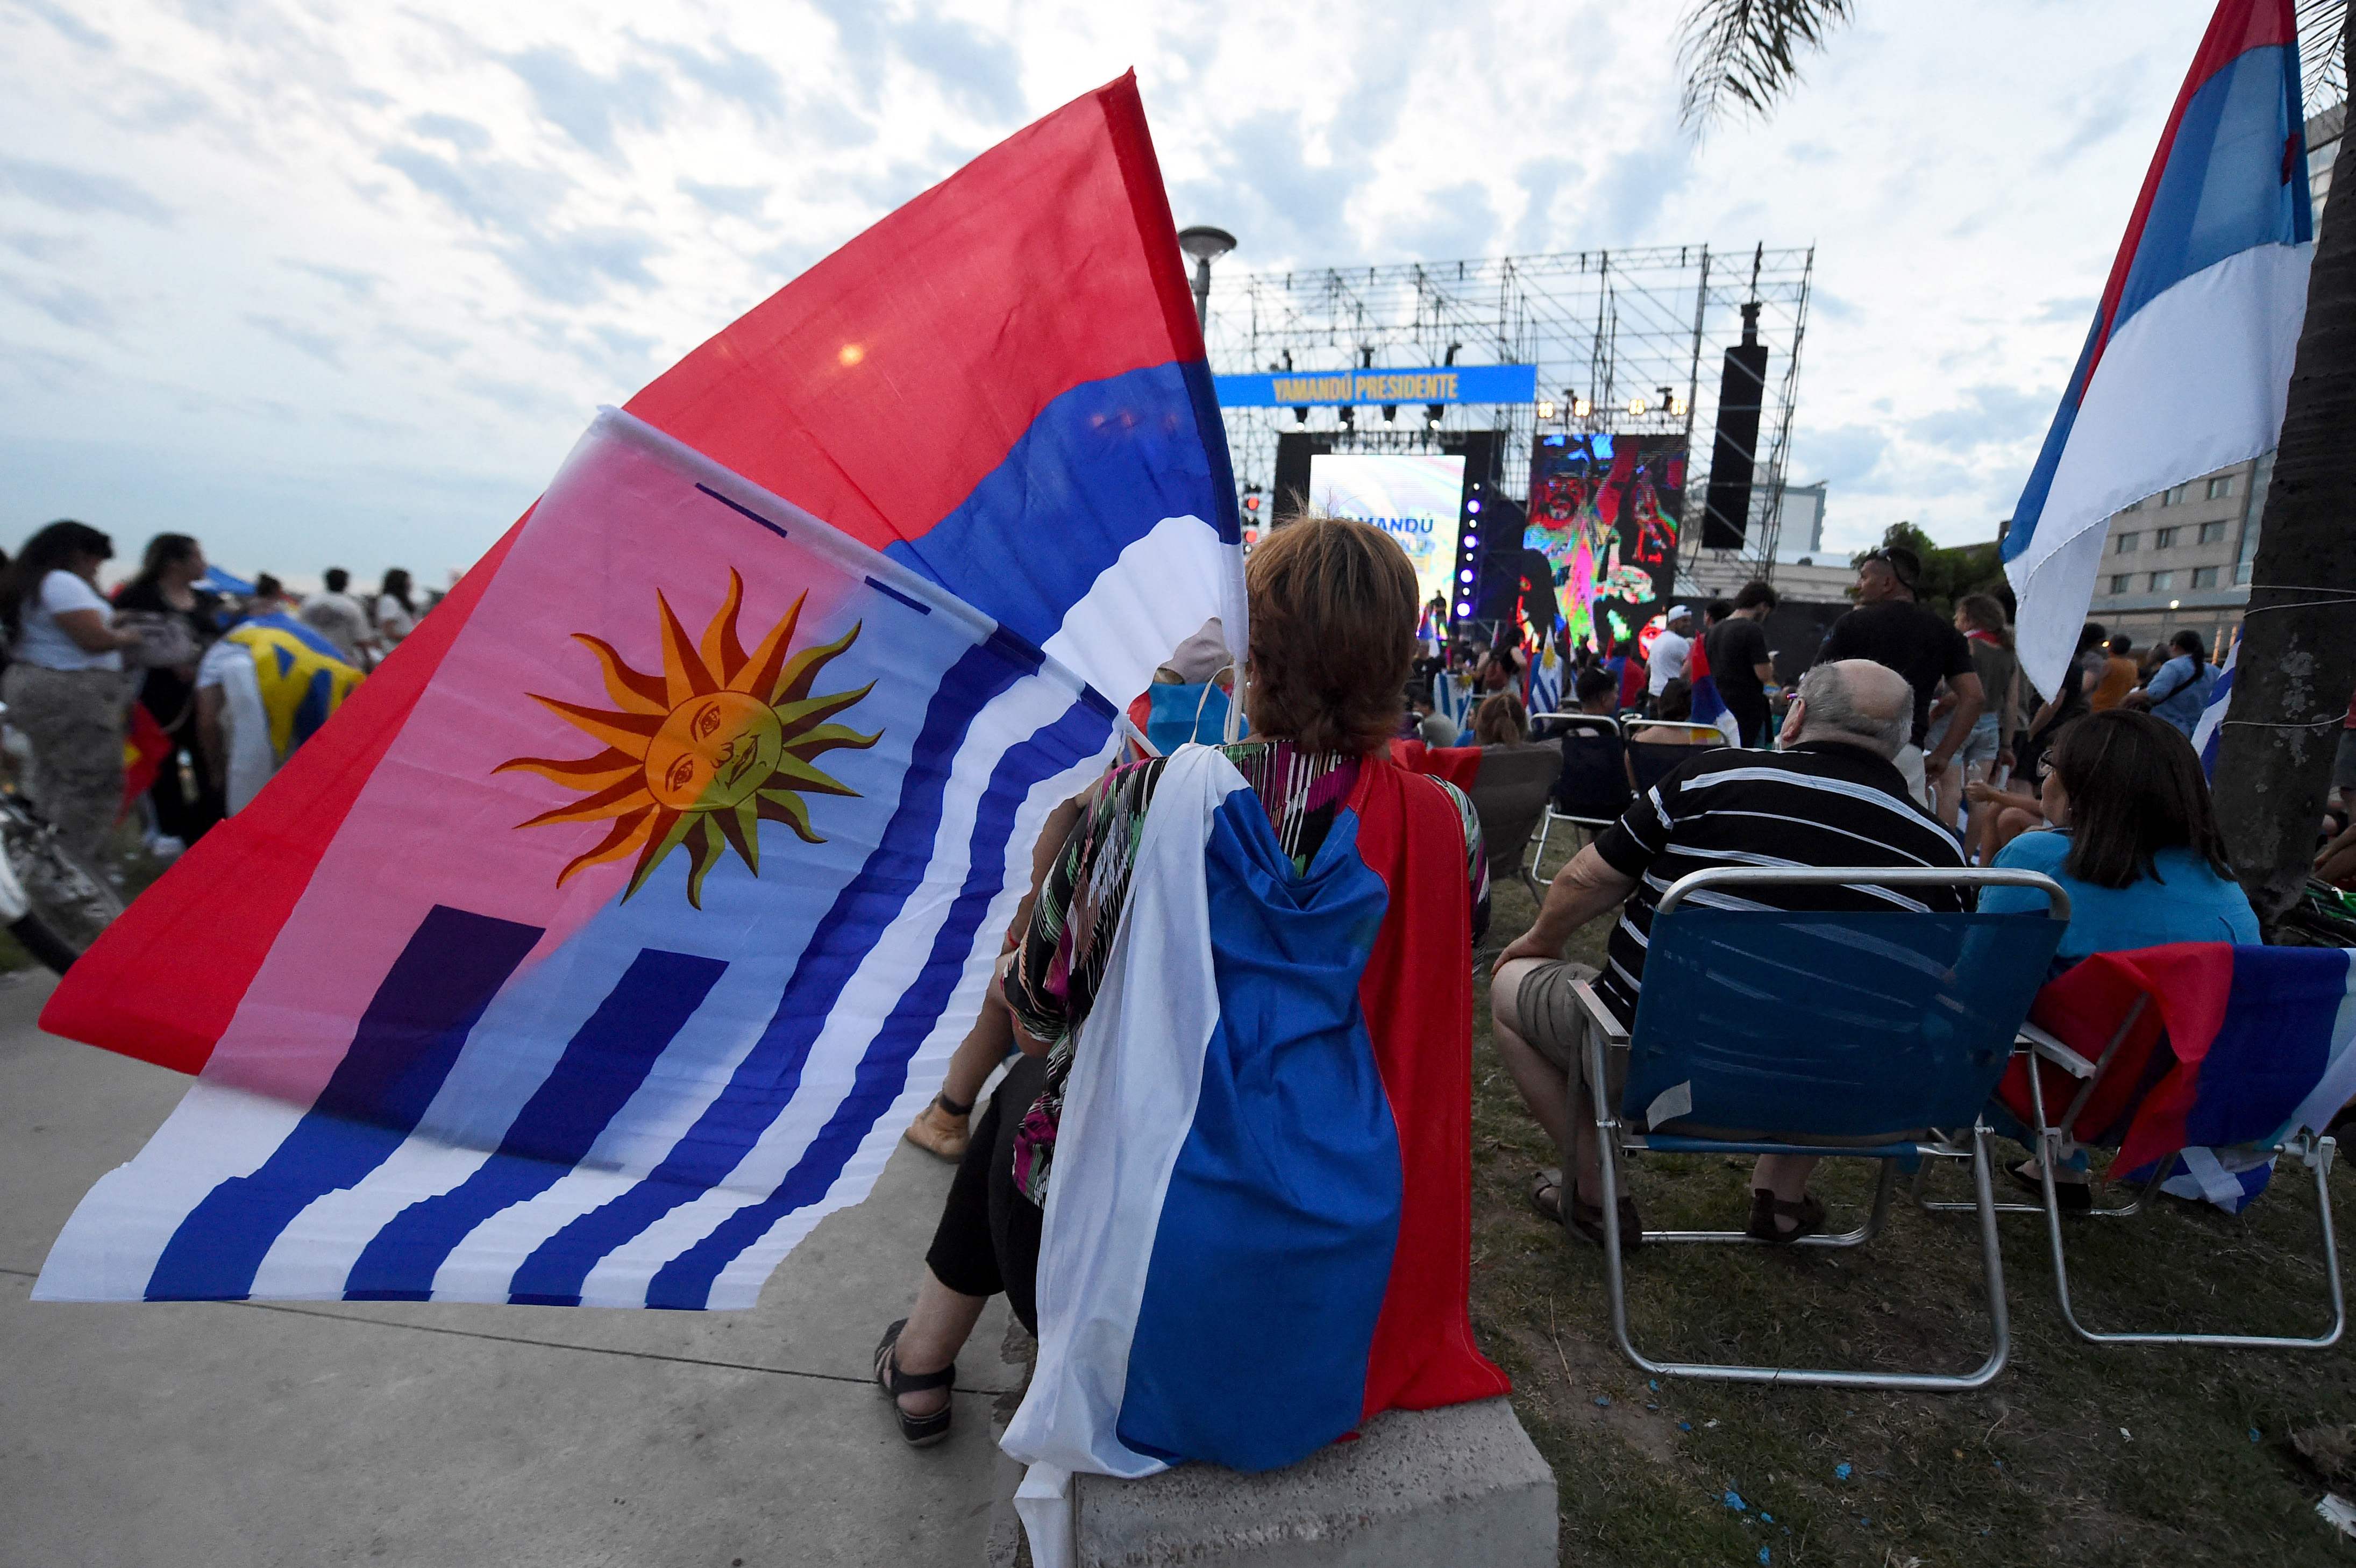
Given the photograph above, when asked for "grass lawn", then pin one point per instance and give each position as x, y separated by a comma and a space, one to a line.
2077, 1454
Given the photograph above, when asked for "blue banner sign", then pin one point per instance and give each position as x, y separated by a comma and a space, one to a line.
1432, 384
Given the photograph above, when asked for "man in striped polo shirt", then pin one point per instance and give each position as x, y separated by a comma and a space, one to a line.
1832, 796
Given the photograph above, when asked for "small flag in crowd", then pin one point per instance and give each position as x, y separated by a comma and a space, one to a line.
1545, 695
1708, 706
597, 947
145, 749
2211, 729
2189, 362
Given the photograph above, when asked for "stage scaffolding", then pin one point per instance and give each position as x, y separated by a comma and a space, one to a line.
1605, 326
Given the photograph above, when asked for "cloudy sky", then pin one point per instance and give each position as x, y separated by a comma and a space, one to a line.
325, 282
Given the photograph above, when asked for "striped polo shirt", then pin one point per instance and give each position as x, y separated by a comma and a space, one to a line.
1820, 803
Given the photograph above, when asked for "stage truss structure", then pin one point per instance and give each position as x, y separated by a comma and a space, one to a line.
1623, 330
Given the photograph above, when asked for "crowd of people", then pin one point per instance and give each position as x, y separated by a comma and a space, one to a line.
168, 678
1912, 739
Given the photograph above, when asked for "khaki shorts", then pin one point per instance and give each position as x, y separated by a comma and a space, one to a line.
1555, 1023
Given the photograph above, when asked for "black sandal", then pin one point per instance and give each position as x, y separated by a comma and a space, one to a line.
1586, 1219
1807, 1217
920, 1430
2074, 1196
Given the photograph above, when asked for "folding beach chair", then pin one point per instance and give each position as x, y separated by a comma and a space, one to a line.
2176, 1056
1593, 789
1833, 1035
1510, 793
1652, 759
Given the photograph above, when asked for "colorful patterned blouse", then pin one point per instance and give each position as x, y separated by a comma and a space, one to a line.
1060, 961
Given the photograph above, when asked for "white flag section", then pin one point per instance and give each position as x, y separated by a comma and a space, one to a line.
1127, 1113
2210, 733
2189, 363
659, 917
2195, 383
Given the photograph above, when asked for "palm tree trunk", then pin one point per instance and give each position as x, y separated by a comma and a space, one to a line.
2297, 664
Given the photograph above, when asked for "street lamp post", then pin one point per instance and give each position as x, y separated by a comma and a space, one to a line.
1207, 245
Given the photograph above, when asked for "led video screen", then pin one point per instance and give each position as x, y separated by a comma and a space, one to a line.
1604, 511
1415, 499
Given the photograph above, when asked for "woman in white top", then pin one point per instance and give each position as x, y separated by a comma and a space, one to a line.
396, 613
65, 687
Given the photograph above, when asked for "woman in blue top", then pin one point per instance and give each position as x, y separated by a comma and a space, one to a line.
2135, 844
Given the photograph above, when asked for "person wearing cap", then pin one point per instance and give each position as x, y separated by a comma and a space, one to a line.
1890, 628
1671, 649
1194, 708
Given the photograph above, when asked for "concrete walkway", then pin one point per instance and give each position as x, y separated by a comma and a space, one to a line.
190, 1434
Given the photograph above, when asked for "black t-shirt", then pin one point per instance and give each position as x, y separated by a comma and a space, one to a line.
1736, 647
1908, 639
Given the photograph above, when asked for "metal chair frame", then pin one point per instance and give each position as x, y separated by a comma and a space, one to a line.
2314, 1151
1594, 722
1615, 1140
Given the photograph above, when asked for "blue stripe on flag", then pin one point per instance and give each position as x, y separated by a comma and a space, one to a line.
2222, 191
603, 1066
1100, 467
2271, 1050
686, 1281
401, 1054
1276, 1240
771, 1072
2210, 731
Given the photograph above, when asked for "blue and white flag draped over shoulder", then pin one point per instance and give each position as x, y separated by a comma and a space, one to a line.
2189, 362
600, 942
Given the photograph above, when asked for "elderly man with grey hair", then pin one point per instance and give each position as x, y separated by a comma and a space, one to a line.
1831, 797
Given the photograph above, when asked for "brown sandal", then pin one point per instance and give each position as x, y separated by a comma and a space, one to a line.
1807, 1217
918, 1431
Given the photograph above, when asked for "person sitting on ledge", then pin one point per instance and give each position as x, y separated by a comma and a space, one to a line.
1832, 796
1333, 630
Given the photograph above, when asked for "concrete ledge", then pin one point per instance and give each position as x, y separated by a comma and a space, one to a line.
1463, 1484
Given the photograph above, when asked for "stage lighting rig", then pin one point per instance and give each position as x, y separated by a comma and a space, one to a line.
1431, 412
1300, 414
1545, 410
1582, 409
1391, 414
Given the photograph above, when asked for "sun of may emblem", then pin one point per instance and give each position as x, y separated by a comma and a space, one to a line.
699, 755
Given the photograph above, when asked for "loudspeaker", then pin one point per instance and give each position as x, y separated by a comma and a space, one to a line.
1741, 394
1293, 451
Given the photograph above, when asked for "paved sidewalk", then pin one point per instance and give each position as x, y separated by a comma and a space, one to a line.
191, 1434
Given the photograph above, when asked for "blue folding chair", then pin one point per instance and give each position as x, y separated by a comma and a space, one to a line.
1847, 1035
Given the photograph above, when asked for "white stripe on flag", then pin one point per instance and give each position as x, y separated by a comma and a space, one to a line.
2192, 381
1129, 1108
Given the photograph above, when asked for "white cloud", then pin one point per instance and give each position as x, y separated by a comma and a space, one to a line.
333, 281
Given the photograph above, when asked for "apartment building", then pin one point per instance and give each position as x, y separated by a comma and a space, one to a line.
2181, 559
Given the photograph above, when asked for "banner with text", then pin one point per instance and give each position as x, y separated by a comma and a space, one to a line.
1431, 384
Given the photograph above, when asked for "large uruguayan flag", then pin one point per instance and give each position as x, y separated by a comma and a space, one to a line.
598, 946
2189, 362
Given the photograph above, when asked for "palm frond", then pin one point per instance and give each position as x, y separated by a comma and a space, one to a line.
2323, 53
1739, 55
